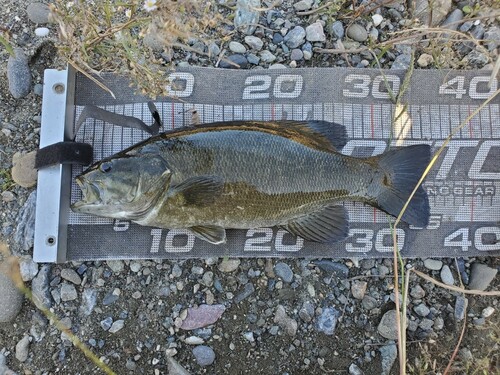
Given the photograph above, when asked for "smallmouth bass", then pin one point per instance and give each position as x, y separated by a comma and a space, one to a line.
250, 174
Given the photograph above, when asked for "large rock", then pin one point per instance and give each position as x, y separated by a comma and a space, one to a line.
38, 13
18, 74
25, 230
481, 276
11, 298
23, 169
432, 12
247, 15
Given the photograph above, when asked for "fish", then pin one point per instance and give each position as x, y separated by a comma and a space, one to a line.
251, 174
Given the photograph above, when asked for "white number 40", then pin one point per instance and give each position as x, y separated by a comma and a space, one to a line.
457, 87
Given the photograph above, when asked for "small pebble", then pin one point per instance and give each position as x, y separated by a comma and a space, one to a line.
295, 37
237, 47
332, 268
28, 268
355, 370
117, 265
277, 38
357, 32
68, 292
377, 19
465, 355
447, 276
40, 288
284, 271
433, 264
358, 289
402, 62
194, 340
89, 300
106, 323
461, 307
452, 22
288, 324
487, 312
306, 312
303, 5
229, 265
202, 316
25, 230
422, 310
425, 60
417, 292
116, 326
337, 29
249, 336
136, 295
22, 351
38, 89
204, 355
135, 267
327, 321
296, 54
254, 42
71, 275
369, 302
42, 32
387, 326
267, 56
315, 33
389, 354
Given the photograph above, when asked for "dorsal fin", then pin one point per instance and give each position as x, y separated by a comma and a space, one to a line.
333, 132
320, 135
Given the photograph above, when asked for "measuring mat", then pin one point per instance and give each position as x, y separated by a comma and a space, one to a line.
463, 186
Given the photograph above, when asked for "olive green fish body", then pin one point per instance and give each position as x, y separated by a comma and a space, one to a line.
252, 174
267, 179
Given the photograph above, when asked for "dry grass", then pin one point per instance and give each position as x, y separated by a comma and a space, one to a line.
119, 37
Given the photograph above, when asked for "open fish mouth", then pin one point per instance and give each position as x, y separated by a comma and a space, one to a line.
90, 194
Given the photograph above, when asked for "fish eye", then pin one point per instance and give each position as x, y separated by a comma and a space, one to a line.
105, 167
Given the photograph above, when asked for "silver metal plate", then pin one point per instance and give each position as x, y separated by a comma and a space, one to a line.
463, 187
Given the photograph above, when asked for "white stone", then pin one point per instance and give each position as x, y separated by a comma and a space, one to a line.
41, 32
194, 340
116, 326
377, 19
28, 268
487, 312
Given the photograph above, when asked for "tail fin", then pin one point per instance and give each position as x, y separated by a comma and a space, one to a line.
403, 168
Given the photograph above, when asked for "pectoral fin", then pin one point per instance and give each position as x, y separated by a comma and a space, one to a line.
212, 234
329, 225
201, 190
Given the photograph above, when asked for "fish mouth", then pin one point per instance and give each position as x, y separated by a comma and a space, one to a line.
90, 195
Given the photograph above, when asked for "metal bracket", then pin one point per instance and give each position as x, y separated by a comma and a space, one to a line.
52, 201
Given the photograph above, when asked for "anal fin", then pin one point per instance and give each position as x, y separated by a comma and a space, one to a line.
329, 225
210, 233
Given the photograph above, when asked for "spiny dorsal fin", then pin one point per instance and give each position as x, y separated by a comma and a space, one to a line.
329, 225
320, 135
200, 190
333, 132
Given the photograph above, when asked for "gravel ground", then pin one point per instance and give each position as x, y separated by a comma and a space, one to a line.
231, 316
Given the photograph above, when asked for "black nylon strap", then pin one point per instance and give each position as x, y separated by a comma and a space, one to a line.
64, 153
